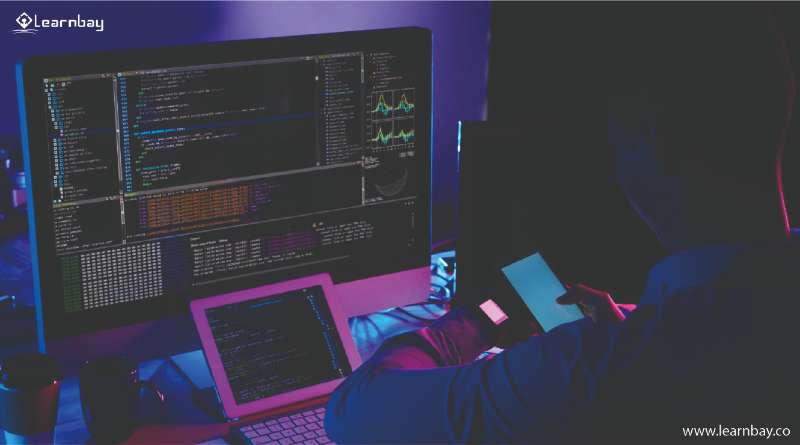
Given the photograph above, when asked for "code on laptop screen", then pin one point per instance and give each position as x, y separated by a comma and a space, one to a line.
277, 344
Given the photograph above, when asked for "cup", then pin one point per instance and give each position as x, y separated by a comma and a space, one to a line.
110, 396
29, 390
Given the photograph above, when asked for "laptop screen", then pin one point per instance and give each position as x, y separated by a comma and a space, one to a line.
279, 343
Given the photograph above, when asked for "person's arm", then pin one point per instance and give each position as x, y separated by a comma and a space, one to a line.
412, 391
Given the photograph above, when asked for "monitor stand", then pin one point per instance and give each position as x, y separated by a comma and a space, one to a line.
192, 365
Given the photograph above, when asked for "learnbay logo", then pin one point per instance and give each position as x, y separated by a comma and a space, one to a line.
24, 20
32, 25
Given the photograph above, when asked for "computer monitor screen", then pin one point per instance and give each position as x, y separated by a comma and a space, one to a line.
162, 175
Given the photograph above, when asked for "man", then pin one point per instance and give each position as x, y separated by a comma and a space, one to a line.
699, 105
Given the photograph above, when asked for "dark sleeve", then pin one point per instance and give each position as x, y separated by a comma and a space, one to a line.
415, 388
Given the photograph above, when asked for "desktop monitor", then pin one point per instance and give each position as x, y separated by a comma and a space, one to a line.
158, 176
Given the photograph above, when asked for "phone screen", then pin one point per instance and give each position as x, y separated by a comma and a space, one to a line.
538, 287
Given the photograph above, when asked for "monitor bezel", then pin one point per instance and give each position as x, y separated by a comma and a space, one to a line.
52, 322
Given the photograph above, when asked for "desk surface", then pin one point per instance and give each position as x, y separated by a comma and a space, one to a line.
181, 421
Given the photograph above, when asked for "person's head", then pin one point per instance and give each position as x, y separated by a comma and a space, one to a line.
699, 102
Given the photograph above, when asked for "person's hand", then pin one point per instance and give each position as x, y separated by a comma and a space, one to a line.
596, 304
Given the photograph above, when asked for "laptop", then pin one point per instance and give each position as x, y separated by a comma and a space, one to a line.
273, 346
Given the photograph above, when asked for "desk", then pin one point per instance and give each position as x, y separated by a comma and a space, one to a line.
183, 422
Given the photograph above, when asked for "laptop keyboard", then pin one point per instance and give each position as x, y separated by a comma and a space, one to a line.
304, 427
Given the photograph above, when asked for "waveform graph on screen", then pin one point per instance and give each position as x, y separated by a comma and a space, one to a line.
391, 126
404, 132
391, 134
391, 104
404, 102
381, 106
382, 134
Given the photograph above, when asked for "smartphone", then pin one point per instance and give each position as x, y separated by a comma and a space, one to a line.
538, 287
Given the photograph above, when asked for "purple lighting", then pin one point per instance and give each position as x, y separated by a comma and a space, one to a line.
460, 52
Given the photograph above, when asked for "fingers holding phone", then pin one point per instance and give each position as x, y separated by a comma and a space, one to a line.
594, 303
530, 299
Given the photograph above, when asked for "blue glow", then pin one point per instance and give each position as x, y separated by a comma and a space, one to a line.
37, 288
458, 149
458, 140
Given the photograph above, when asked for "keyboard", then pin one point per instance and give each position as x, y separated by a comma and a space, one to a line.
303, 427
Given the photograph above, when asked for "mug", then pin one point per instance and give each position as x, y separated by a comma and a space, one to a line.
29, 392
110, 391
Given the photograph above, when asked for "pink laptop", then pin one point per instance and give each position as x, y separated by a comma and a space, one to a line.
275, 345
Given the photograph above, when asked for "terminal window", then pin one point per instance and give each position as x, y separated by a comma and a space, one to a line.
167, 180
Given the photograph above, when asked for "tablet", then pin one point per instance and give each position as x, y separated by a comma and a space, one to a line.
275, 345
